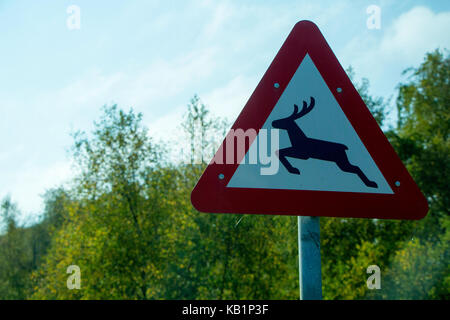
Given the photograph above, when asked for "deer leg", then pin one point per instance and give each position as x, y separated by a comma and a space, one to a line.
346, 166
287, 152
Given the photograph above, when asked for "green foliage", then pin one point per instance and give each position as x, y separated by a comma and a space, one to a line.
119, 230
202, 131
21, 250
349, 246
128, 223
420, 268
14, 258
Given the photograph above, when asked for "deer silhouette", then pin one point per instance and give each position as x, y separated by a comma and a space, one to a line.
305, 148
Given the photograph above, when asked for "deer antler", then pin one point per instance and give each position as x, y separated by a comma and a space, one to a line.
295, 111
305, 110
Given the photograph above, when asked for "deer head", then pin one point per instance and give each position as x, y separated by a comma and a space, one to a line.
285, 123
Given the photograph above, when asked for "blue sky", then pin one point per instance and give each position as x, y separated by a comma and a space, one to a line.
155, 55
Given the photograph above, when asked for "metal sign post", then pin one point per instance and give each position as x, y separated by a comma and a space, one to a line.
305, 87
309, 267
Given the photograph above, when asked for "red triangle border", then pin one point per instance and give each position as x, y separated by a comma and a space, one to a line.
211, 194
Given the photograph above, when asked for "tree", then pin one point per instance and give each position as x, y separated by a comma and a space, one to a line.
228, 256
115, 229
128, 223
420, 269
15, 256
413, 255
204, 131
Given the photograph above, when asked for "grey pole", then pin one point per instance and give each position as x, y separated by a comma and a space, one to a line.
310, 275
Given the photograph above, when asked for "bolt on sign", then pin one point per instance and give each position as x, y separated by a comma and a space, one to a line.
329, 156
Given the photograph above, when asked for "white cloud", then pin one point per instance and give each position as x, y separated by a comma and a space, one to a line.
416, 32
168, 125
42, 123
142, 89
168, 78
221, 14
228, 100
382, 56
402, 44
227, 31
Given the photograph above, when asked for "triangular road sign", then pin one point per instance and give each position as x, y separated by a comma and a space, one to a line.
306, 144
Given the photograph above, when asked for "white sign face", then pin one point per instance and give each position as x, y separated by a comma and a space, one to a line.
329, 157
